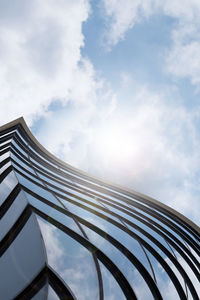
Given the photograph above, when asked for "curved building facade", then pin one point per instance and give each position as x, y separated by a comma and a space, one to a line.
67, 235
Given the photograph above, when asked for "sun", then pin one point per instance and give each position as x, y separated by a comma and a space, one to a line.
114, 143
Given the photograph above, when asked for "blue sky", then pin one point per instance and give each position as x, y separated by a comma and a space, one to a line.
111, 87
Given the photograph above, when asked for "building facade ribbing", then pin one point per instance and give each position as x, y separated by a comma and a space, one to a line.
67, 235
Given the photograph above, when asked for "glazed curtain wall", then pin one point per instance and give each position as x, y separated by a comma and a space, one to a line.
67, 235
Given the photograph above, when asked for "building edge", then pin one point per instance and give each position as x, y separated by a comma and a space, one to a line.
98, 180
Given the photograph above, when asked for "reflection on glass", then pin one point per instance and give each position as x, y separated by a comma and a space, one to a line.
6, 142
4, 156
43, 168
7, 133
12, 214
51, 294
111, 289
52, 212
188, 270
18, 149
22, 261
5, 167
35, 188
114, 231
71, 261
21, 163
22, 139
7, 185
42, 294
126, 267
30, 176
165, 285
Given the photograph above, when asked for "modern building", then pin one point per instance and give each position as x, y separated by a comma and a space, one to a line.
67, 235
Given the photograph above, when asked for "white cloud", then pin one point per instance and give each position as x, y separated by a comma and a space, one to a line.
76, 129
146, 142
126, 79
184, 56
156, 148
182, 59
40, 56
124, 14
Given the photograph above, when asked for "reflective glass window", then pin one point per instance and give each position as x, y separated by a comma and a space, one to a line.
165, 285
22, 261
19, 149
42, 158
7, 133
6, 142
21, 164
12, 214
121, 261
111, 289
52, 212
44, 168
51, 294
73, 263
23, 140
32, 176
4, 156
118, 234
42, 294
7, 185
5, 167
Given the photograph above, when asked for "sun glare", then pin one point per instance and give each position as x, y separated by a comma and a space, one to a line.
114, 143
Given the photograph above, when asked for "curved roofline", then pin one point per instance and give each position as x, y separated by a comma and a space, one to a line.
100, 180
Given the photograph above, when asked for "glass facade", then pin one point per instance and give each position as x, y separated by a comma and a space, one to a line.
67, 235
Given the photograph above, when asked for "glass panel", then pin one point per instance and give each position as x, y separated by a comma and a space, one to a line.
53, 176
22, 261
159, 271
19, 149
42, 294
71, 261
59, 185
12, 214
126, 267
114, 231
3, 135
7, 185
164, 283
5, 167
52, 212
44, 169
194, 253
41, 161
51, 294
6, 142
111, 289
23, 140
42, 157
36, 189
188, 270
120, 260
4, 156
33, 177
21, 163
71, 196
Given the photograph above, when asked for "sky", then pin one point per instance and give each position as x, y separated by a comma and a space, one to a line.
111, 87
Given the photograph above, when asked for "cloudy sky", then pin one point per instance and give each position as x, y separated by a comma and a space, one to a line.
111, 87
